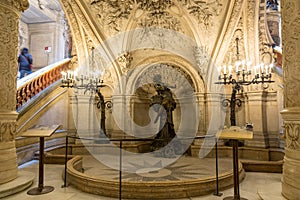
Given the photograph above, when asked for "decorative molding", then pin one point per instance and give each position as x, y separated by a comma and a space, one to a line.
291, 57
7, 131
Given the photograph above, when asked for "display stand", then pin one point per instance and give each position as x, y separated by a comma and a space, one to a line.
235, 134
41, 132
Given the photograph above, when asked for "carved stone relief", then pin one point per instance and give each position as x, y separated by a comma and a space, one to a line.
7, 131
114, 15
204, 11
291, 59
124, 62
202, 59
292, 135
8, 65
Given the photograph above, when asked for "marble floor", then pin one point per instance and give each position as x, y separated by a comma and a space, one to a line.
255, 186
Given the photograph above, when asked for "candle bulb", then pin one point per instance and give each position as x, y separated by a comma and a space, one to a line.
224, 69
243, 65
248, 66
261, 68
266, 69
237, 64
230, 69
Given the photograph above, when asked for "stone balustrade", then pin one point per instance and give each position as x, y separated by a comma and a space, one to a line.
34, 83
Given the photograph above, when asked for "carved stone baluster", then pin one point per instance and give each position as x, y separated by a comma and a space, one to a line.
291, 113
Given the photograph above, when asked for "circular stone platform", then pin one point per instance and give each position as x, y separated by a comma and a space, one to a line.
23, 181
187, 177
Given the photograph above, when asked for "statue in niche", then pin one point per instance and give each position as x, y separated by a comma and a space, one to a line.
164, 104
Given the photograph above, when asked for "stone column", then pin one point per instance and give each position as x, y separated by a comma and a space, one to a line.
10, 11
291, 112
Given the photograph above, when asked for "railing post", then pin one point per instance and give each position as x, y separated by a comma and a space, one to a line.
66, 161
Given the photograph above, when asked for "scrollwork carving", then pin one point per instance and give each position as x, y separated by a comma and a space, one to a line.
124, 61
113, 14
204, 11
7, 131
292, 135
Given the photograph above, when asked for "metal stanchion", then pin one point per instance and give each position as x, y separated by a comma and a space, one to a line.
120, 172
217, 193
66, 160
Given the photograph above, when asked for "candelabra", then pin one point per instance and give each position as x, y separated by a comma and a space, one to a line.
244, 74
89, 81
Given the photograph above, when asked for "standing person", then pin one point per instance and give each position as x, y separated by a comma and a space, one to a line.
25, 63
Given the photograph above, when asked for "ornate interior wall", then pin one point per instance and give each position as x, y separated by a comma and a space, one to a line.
195, 36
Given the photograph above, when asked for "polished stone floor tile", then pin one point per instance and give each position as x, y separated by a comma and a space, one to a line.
255, 186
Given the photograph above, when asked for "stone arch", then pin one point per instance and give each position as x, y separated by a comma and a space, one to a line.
180, 64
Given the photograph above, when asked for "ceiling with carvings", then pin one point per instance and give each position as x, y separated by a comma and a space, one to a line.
184, 16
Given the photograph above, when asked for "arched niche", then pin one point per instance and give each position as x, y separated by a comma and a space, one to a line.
137, 87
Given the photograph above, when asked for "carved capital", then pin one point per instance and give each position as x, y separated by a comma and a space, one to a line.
17, 5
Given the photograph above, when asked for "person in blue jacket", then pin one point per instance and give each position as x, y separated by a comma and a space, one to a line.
25, 62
